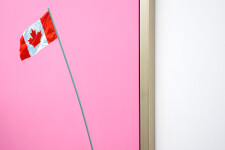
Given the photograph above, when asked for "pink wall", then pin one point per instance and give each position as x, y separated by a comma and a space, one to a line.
38, 106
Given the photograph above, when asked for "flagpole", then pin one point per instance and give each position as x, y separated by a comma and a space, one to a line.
72, 80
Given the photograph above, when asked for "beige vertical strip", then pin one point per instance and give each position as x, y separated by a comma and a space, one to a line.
152, 75
147, 74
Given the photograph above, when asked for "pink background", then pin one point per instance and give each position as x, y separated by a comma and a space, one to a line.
38, 106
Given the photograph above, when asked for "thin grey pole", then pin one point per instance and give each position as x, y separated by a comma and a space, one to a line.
72, 79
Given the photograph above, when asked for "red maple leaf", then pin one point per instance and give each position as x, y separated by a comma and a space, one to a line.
36, 38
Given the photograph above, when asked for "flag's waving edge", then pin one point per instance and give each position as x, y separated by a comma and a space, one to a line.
37, 36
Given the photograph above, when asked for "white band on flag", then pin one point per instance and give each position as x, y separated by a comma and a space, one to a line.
36, 27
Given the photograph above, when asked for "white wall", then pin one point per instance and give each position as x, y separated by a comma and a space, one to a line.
190, 74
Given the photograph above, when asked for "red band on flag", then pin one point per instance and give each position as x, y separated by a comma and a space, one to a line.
24, 53
48, 27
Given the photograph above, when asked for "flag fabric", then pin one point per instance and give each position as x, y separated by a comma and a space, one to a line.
37, 36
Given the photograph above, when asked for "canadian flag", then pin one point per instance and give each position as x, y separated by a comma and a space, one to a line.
37, 36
